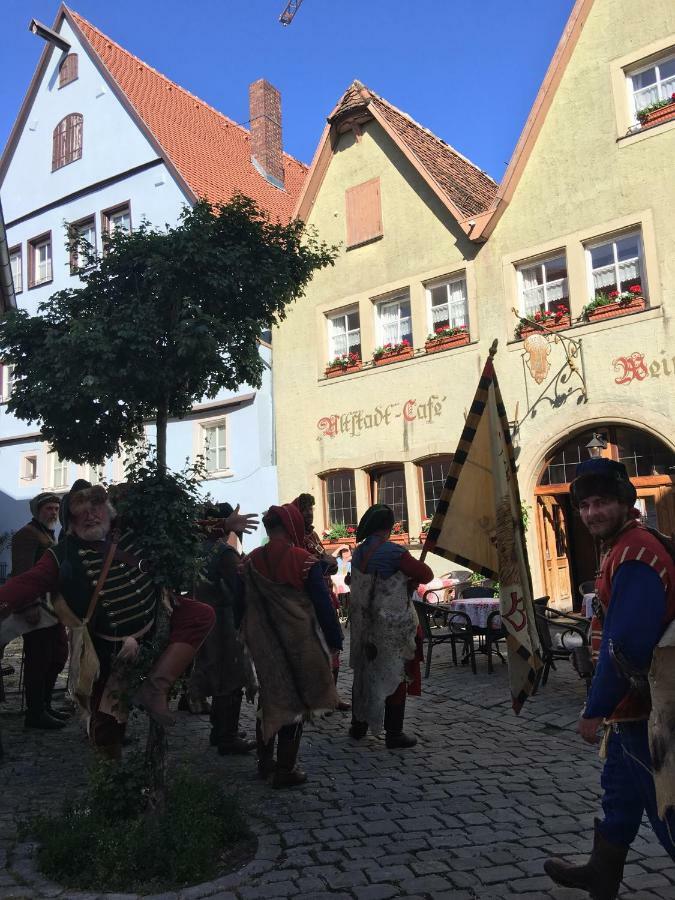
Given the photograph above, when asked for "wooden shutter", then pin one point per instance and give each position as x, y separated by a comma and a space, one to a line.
68, 70
67, 141
364, 212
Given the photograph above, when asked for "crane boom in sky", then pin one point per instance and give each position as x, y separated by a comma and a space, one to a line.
291, 8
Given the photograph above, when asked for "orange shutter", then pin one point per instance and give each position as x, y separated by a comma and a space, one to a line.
364, 212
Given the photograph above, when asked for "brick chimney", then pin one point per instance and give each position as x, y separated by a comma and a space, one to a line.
265, 115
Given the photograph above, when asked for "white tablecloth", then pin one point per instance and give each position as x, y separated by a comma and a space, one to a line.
478, 609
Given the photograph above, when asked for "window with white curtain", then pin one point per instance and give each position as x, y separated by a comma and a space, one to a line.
394, 323
15, 262
7, 382
82, 237
59, 471
344, 333
616, 265
447, 304
543, 285
94, 474
215, 447
653, 83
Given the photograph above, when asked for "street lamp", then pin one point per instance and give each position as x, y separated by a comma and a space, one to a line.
596, 445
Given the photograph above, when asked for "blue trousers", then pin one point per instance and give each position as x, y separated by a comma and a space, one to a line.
628, 789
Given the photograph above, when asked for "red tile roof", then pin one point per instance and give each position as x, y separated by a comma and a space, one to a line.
470, 189
210, 152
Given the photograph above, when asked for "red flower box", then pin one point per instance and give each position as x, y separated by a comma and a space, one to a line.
394, 357
332, 546
435, 345
334, 371
402, 538
611, 310
526, 330
656, 116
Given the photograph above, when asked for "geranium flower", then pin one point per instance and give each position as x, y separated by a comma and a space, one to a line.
613, 294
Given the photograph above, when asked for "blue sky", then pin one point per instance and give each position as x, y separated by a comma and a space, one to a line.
466, 69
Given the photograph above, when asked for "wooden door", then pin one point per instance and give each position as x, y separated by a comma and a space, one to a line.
554, 551
657, 507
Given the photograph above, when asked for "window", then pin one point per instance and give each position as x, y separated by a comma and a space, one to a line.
616, 265
67, 141
68, 70
363, 213
389, 487
40, 260
81, 254
94, 474
447, 304
117, 218
15, 262
214, 447
344, 334
341, 498
29, 467
394, 322
543, 286
434, 472
59, 471
6, 382
652, 83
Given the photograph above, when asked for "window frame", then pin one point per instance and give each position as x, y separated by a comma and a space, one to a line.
6, 380
52, 459
33, 246
343, 313
326, 494
23, 473
62, 157
17, 250
379, 303
632, 71
107, 214
420, 463
205, 425
446, 281
375, 472
542, 261
70, 76
594, 243
72, 244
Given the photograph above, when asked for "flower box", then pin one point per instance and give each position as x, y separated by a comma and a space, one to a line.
435, 345
402, 538
527, 330
398, 356
611, 310
334, 371
332, 546
661, 114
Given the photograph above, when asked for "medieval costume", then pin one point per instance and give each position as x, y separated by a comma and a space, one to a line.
45, 643
636, 594
290, 628
222, 668
385, 650
109, 603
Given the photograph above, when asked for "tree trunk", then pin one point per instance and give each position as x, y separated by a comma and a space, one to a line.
162, 422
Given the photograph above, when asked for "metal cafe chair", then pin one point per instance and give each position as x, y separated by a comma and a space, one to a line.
457, 630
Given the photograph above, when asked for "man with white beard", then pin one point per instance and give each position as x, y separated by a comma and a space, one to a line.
106, 588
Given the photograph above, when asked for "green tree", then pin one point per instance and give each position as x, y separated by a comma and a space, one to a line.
162, 319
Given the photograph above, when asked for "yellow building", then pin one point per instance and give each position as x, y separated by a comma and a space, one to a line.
584, 213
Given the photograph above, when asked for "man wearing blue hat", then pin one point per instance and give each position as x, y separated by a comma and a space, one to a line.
636, 594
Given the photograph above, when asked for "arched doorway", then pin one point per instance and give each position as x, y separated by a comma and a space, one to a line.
568, 555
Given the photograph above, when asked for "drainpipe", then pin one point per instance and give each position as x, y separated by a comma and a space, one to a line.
7, 296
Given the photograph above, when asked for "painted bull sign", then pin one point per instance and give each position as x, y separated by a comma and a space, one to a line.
354, 422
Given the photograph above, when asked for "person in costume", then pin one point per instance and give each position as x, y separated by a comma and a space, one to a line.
636, 594
110, 604
222, 669
290, 629
45, 645
305, 503
385, 650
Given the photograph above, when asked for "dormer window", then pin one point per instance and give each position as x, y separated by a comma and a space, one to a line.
67, 141
68, 70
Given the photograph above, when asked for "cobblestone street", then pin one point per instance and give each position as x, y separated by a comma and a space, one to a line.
470, 813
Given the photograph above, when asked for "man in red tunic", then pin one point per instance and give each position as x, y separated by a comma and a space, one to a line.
636, 593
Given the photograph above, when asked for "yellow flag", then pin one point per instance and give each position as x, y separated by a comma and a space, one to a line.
478, 524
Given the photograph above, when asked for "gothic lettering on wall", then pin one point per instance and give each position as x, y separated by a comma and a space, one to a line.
634, 367
354, 422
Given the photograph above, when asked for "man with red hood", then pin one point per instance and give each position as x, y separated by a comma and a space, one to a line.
291, 630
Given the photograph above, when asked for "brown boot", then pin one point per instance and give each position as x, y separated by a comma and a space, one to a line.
266, 763
153, 694
229, 741
287, 774
600, 876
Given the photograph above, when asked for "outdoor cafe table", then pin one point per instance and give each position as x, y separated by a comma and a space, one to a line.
478, 609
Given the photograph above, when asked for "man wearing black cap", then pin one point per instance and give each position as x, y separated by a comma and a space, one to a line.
636, 594
45, 649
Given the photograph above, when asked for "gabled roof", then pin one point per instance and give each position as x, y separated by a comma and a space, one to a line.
464, 188
209, 154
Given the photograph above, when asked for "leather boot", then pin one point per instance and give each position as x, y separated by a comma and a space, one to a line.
266, 764
287, 774
57, 714
395, 739
153, 694
358, 730
229, 741
41, 719
601, 875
